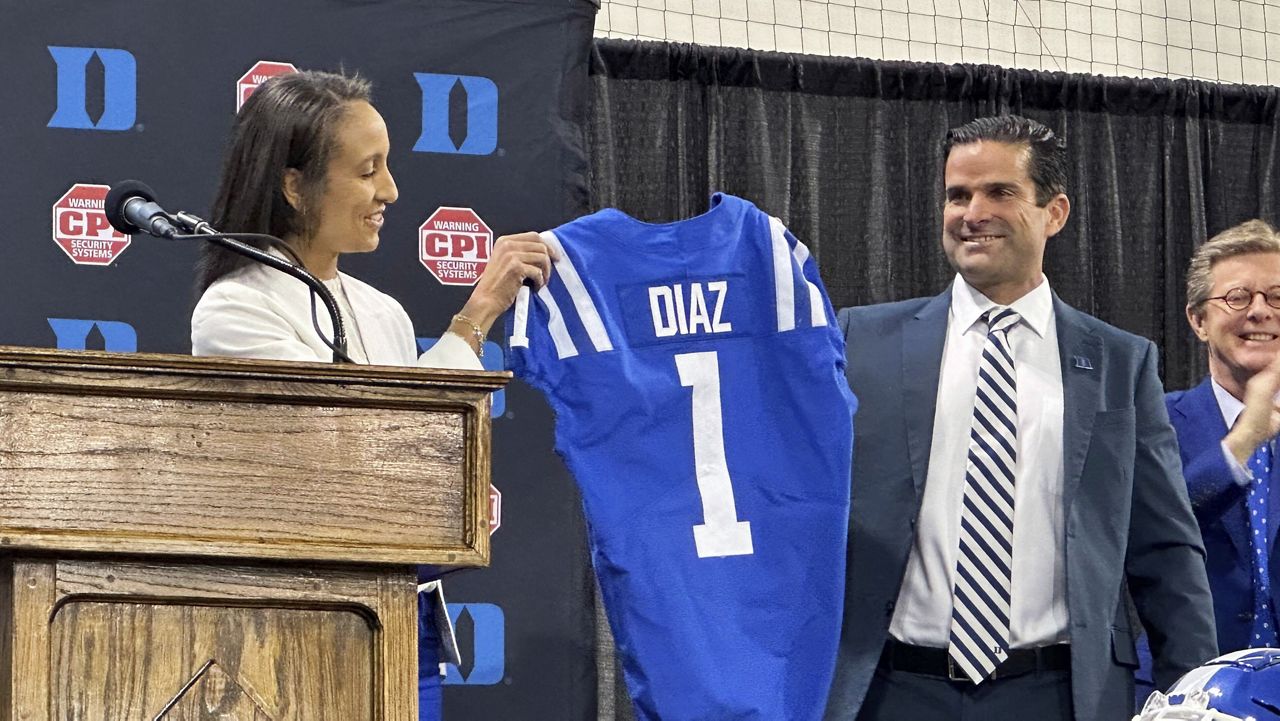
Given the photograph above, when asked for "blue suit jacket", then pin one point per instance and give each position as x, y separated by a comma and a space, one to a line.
1129, 527
1219, 505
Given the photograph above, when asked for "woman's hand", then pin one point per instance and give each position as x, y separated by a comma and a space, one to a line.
515, 259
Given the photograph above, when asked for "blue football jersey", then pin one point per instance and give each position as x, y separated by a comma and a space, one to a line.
697, 375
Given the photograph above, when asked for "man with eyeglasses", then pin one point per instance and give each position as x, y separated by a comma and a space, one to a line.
1227, 426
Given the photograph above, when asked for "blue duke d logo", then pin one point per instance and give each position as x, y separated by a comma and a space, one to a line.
73, 334
478, 135
488, 649
119, 88
492, 361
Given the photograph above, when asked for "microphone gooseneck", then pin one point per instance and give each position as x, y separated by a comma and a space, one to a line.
132, 209
199, 229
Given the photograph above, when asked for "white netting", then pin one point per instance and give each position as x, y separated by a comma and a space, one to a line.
1219, 40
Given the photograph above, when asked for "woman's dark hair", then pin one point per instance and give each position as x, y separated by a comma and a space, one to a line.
288, 122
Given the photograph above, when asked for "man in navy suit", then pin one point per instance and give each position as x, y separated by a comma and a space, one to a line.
1016, 479
1227, 425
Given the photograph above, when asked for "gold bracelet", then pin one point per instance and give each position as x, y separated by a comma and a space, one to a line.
476, 333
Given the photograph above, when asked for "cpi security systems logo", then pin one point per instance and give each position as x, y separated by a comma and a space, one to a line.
261, 71
119, 88
81, 228
442, 95
454, 245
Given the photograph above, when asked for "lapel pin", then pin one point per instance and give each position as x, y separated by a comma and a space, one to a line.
1081, 362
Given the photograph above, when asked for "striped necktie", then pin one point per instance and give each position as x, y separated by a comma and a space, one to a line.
984, 568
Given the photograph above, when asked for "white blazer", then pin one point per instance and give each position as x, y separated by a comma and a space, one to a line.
259, 312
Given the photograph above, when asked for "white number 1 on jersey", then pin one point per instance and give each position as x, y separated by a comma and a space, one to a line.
720, 533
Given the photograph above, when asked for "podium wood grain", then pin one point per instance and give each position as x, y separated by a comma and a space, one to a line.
219, 539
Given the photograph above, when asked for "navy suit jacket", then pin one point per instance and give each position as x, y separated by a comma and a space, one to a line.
1128, 524
1219, 505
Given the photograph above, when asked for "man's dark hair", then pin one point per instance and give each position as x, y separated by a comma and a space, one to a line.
288, 123
1047, 164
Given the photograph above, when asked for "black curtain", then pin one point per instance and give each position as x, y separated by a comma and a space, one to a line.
847, 152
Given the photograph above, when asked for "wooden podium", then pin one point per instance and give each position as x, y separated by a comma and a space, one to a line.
191, 538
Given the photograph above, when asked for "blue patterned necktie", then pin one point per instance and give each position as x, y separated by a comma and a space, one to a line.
1264, 627
984, 566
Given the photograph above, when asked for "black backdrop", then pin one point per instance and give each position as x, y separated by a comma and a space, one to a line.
152, 87
847, 153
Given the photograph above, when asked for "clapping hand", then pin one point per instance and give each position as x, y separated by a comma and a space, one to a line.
1260, 419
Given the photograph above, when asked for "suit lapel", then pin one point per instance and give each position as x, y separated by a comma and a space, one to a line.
1080, 353
1202, 431
922, 343
1197, 406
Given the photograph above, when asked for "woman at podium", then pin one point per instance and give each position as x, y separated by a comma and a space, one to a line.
307, 164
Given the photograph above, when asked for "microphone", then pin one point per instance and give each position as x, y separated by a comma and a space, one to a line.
131, 208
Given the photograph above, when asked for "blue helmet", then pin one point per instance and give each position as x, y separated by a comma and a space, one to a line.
1239, 686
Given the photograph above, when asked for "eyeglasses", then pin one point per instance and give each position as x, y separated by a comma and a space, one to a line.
1241, 298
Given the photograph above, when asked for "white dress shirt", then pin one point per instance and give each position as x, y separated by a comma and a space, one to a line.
1231, 408
922, 615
